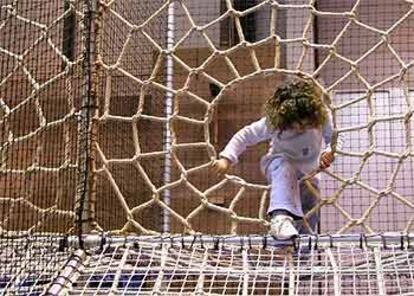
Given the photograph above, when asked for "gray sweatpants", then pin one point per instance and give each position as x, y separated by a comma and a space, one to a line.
287, 194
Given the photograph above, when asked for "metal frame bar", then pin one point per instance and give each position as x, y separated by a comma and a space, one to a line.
85, 199
68, 275
404, 240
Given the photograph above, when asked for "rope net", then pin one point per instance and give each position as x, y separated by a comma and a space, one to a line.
112, 112
163, 114
28, 265
147, 269
191, 88
202, 266
39, 106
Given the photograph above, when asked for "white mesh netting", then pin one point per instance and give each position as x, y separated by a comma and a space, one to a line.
376, 265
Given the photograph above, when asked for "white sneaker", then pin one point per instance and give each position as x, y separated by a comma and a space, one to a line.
281, 227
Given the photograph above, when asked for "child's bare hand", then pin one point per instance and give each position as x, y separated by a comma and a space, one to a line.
326, 159
221, 166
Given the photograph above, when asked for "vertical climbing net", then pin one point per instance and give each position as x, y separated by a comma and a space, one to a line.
79, 86
26, 142
195, 31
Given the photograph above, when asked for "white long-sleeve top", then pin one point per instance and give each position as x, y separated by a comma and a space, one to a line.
301, 148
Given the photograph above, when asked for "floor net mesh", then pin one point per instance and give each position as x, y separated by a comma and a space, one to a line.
213, 266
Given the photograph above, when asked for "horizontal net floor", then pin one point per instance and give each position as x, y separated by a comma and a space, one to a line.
28, 265
245, 266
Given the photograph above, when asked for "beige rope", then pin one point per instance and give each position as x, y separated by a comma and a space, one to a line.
108, 71
242, 185
36, 134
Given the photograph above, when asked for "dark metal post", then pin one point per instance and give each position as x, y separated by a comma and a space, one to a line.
85, 199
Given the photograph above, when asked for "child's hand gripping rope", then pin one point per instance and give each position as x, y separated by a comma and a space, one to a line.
325, 160
221, 166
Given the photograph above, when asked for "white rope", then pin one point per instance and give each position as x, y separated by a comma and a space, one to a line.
336, 276
114, 287
379, 272
157, 289
292, 276
199, 289
246, 280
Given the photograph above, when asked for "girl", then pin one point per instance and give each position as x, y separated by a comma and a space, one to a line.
295, 123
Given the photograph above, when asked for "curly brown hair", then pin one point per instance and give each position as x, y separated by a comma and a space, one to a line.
296, 102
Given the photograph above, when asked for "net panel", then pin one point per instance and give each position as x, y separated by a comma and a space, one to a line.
371, 123
121, 97
39, 99
211, 68
214, 72
40, 90
29, 264
251, 266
